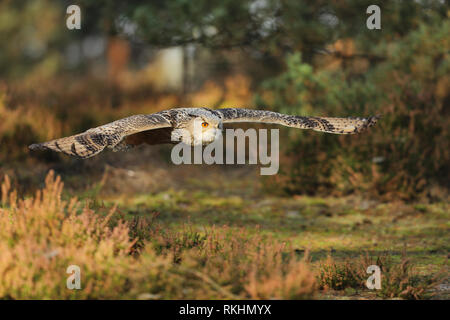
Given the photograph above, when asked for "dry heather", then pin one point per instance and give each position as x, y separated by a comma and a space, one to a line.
59, 107
398, 280
41, 236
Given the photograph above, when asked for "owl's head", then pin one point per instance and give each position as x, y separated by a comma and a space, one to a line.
200, 127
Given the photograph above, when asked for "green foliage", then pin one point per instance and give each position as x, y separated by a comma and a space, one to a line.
406, 152
31, 32
271, 26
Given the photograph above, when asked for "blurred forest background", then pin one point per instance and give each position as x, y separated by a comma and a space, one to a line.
383, 189
291, 56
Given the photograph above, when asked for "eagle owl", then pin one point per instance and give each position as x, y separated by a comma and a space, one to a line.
177, 125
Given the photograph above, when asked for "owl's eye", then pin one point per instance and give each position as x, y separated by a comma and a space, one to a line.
205, 124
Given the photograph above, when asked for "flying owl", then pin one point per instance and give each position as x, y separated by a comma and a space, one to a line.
177, 125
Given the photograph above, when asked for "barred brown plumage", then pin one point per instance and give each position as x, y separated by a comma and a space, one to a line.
167, 126
324, 124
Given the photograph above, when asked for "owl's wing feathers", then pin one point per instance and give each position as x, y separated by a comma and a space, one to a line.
93, 141
329, 125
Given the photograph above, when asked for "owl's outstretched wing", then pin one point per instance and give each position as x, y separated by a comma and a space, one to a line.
330, 125
93, 141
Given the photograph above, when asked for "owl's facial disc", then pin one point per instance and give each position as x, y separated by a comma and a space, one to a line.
198, 131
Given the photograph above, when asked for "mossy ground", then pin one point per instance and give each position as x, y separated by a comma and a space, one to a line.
232, 199
344, 228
